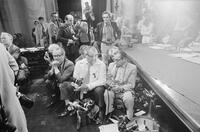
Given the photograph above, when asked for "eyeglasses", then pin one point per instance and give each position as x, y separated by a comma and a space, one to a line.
57, 55
105, 17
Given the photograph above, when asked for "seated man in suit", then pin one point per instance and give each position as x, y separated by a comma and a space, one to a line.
61, 70
92, 72
121, 79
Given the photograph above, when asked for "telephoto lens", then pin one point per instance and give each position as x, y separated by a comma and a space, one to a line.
77, 81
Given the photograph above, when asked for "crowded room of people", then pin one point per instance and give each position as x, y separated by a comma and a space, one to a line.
99, 66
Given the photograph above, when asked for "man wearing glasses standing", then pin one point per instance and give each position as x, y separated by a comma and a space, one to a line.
108, 34
66, 35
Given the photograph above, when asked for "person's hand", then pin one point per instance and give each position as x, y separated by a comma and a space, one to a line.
70, 41
46, 57
55, 63
83, 87
22, 66
116, 42
51, 71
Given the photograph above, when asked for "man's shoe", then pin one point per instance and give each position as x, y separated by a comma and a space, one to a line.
66, 112
63, 114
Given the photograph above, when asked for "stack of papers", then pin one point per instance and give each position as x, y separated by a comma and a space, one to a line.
159, 46
191, 57
109, 128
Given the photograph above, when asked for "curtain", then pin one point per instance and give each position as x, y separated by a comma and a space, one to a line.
17, 16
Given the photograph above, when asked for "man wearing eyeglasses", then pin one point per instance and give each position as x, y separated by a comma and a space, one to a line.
108, 34
62, 70
66, 35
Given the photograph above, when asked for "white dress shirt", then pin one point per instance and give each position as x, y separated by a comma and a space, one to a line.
97, 73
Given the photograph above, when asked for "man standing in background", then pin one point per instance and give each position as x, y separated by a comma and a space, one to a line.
108, 34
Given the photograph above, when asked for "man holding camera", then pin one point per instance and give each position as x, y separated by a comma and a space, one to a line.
92, 72
62, 69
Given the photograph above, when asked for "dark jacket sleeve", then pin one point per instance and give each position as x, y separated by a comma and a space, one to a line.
61, 36
67, 73
98, 35
117, 31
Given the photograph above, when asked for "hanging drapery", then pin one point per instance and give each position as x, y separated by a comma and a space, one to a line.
17, 16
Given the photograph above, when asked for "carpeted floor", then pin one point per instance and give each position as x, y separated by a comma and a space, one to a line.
42, 119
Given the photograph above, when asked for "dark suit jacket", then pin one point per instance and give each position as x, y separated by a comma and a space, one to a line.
66, 70
64, 35
99, 33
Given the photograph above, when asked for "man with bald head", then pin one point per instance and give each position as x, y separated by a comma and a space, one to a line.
66, 35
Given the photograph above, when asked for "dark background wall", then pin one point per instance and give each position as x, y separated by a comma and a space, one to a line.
66, 6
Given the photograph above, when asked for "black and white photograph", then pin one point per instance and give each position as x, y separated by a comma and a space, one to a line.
99, 66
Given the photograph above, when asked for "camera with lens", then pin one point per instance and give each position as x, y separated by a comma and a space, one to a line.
79, 82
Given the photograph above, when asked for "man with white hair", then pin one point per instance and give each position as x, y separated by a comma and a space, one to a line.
92, 72
7, 40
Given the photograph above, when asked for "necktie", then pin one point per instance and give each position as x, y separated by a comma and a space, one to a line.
87, 78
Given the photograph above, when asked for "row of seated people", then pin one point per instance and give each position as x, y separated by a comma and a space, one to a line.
98, 82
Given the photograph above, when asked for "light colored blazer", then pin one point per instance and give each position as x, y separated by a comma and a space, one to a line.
125, 75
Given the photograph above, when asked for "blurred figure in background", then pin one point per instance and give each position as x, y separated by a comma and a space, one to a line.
34, 31
108, 34
8, 94
53, 27
6, 40
83, 34
89, 15
42, 33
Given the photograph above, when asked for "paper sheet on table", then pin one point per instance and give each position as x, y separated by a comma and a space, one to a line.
156, 47
159, 46
109, 128
184, 55
195, 59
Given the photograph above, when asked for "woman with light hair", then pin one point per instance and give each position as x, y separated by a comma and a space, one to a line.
121, 77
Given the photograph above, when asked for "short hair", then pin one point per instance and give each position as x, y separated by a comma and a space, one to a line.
92, 50
59, 49
35, 21
41, 18
83, 48
114, 48
67, 16
107, 12
53, 47
7, 34
53, 13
